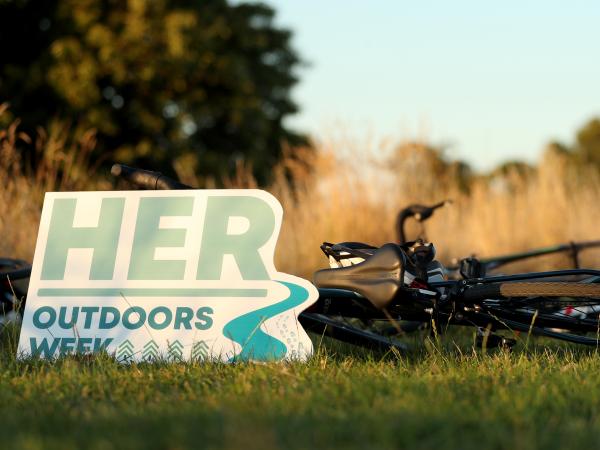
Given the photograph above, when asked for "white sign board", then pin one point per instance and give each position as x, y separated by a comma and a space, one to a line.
149, 275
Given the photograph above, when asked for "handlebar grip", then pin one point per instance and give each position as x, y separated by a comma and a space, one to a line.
441, 204
146, 178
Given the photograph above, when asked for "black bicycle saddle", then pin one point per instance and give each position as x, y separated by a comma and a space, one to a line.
378, 278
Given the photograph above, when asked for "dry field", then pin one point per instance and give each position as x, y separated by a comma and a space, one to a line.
338, 193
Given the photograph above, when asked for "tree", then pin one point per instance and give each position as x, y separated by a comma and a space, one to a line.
200, 80
515, 167
426, 168
587, 148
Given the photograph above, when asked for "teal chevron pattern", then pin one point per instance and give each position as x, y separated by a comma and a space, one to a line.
199, 350
175, 350
150, 351
125, 350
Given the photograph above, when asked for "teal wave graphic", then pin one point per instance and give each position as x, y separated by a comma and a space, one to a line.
246, 330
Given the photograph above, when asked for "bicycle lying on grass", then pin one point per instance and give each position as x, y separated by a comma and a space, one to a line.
403, 283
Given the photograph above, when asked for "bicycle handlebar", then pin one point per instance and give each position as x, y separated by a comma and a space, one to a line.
419, 212
146, 178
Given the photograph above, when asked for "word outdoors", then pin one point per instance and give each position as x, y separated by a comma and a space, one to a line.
154, 275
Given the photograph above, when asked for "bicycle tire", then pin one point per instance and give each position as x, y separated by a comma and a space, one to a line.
543, 308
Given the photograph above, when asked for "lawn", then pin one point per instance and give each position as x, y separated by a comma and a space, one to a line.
443, 396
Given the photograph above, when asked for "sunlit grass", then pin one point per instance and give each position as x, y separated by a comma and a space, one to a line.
450, 396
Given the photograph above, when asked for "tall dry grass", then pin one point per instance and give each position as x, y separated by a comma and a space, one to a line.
64, 163
336, 194
555, 204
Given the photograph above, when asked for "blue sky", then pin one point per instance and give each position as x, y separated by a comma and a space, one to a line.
495, 80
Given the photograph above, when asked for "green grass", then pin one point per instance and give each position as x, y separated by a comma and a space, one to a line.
443, 396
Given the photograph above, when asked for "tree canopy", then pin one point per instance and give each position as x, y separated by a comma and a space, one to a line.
200, 80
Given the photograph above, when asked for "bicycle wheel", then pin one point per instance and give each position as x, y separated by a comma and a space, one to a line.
564, 310
354, 332
350, 318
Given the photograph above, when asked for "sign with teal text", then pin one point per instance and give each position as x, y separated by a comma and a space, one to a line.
155, 275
